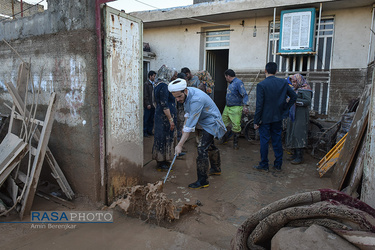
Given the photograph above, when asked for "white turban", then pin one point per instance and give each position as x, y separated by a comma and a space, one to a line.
177, 85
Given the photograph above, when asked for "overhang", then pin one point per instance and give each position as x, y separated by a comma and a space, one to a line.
230, 10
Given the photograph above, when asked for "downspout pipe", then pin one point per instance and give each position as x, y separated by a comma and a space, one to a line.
21, 3
99, 58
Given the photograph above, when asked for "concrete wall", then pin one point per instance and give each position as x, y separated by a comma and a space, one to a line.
28, 9
249, 54
63, 15
61, 44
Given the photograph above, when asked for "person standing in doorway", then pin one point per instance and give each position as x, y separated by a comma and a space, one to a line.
236, 103
200, 109
148, 104
271, 96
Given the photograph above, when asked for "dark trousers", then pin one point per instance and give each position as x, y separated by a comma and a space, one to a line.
208, 154
148, 120
271, 131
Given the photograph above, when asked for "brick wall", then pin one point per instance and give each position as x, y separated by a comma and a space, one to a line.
6, 8
346, 84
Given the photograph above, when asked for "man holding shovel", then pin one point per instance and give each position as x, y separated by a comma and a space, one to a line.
200, 109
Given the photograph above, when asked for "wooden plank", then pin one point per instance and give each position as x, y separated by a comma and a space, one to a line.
39, 157
61, 180
56, 199
22, 83
23, 79
68, 204
356, 175
330, 159
8, 147
35, 121
368, 177
12, 189
59, 175
353, 139
13, 162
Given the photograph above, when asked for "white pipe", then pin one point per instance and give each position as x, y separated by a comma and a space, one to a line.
274, 39
317, 37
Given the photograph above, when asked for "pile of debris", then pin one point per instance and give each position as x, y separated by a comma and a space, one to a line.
150, 203
25, 146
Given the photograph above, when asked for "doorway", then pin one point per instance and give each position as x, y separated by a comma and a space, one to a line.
216, 64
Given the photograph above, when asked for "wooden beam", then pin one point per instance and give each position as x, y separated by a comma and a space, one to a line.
12, 150
56, 170
352, 141
32, 184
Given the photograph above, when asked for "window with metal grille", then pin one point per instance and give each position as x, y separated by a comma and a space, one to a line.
217, 39
315, 68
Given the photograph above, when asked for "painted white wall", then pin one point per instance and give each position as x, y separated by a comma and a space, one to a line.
351, 38
179, 46
175, 47
247, 52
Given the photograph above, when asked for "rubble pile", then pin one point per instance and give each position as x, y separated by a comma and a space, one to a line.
150, 203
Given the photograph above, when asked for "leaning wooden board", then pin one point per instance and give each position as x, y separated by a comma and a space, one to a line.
352, 140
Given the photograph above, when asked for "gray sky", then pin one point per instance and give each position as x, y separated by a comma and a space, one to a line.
139, 5
134, 5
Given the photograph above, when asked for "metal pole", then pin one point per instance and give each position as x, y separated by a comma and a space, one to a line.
274, 39
12, 8
170, 167
317, 38
21, 8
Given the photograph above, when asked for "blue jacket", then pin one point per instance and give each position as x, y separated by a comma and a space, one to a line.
200, 108
236, 94
271, 104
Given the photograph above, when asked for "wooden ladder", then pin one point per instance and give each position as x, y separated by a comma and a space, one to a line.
331, 157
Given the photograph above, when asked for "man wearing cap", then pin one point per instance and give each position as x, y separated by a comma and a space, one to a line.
200, 109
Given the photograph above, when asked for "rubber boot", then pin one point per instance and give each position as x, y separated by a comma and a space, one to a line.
214, 156
298, 159
202, 167
225, 138
235, 141
293, 156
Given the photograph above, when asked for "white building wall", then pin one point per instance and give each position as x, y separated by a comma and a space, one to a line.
247, 52
174, 46
351, 39
179, 46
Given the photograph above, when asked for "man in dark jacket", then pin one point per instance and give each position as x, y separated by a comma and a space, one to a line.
148, 104
271, 96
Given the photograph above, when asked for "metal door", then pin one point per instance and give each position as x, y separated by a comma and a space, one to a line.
123, 53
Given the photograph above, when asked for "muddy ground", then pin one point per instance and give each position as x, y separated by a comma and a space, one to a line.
229, 200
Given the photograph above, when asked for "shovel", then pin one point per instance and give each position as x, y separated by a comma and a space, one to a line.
169, 170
